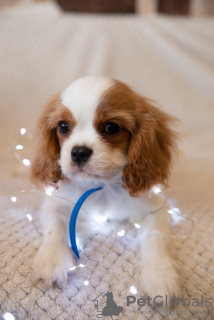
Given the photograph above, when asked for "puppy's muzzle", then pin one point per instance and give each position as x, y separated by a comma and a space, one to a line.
80, 155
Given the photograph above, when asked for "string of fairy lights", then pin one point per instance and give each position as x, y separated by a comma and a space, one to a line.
18, 146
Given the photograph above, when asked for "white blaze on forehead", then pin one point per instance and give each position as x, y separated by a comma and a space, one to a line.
82, 97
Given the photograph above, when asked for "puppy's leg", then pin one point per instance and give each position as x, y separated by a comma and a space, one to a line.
158, 272
54, 257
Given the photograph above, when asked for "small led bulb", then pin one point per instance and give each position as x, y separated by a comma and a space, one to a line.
156, 189
23, 131
121, 233
8, 316
29, 216
73, 268
26, 162
133, 290
19, 147
13, 199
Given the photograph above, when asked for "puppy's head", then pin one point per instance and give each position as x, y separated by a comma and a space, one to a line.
97, 129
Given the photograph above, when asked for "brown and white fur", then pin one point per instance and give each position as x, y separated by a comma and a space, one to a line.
131, 144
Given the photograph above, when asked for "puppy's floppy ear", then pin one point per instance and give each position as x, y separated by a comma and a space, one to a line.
45, 169
150, 150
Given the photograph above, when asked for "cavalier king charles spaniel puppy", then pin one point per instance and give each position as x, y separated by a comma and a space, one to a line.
98, 131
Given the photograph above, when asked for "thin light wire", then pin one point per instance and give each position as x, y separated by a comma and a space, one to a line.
131, 226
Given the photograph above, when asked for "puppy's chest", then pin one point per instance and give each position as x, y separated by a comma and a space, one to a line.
106, 204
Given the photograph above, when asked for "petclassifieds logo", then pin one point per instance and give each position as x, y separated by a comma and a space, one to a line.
107, 306
165, 301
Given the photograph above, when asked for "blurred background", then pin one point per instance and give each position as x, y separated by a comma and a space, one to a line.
190, 7
164, 49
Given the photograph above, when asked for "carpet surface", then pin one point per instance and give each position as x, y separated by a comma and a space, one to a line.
167, 59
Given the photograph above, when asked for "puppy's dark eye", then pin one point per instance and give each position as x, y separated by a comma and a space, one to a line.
111, 128
63, 127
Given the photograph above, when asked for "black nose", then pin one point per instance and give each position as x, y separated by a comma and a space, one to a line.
81, 154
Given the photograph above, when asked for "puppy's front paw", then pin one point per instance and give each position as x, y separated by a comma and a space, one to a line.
160, 279
53, 262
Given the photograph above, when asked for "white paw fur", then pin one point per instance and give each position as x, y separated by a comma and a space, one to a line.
159, 280
52, 263
158, 274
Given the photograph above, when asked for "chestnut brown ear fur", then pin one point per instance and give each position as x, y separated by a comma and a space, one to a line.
150, 150
45, 169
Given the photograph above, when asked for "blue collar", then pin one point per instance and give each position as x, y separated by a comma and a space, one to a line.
73, 219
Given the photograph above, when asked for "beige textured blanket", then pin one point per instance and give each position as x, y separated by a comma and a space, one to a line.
167, 59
